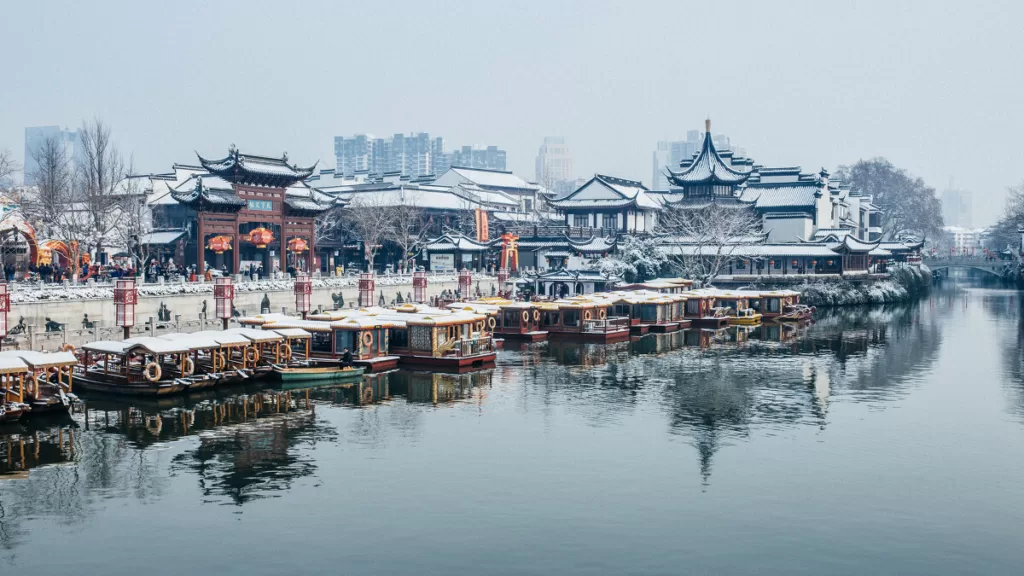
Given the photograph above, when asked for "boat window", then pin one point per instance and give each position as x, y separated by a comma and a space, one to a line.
571, 317
693, 307
511, 318
400, 338
648, 313
321, 342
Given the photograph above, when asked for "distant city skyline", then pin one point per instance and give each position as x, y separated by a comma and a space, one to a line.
415, 154
37, 136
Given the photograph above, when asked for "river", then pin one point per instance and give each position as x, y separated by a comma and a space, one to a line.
878, 440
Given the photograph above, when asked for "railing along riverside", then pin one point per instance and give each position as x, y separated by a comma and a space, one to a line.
610, 324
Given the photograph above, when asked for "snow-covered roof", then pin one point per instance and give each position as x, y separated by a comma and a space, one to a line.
707, 168
781, 196
491, 178
608, 192
752, 251
257, 335
161, 237
145, 343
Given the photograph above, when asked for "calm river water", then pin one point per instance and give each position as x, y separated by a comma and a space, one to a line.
879, 440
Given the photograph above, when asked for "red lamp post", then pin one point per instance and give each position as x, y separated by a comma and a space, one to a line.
419, 287
303, 289
503, 276
224, 298
126, 296
465, 282
366, 289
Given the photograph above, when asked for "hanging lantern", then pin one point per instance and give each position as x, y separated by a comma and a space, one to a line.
794, 263
771, 262
814, 263
260, 237
303, 289
219, 244
125, 298
223, 296
367, 285
419, 287
829, 262
297, 245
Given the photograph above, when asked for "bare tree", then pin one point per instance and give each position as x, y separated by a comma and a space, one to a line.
702, 240
7, 167
370, 218
99, 172
51, 203
410, 230
135, 218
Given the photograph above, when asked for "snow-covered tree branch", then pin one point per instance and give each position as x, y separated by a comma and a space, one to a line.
700, 241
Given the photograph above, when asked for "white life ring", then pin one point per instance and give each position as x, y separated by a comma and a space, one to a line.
189, 367
152, 372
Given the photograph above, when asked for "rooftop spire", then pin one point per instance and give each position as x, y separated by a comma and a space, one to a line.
707, 125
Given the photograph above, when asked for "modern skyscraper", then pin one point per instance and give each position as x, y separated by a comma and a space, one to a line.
554, 162
668, 154
36, 136
412, 155
958, 208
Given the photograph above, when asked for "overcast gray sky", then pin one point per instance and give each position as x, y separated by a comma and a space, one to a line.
934, 86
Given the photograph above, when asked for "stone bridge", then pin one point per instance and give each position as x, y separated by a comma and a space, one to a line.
943, 265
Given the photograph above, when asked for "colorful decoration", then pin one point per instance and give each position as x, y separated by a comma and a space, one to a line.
297, 245
219, 244
367, 285
509, 251
260, 237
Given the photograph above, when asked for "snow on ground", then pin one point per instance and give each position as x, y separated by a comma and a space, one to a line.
23, 292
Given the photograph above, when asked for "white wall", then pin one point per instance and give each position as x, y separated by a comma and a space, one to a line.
788, 229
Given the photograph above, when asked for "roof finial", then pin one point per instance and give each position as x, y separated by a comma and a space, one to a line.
707, 125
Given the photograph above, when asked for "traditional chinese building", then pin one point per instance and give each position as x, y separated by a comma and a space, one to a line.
251, 210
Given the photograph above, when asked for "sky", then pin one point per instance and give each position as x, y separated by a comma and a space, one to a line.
936, 86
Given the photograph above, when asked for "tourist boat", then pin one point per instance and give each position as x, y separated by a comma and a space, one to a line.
209, 361
660, 285
316, 373
269, 346
775, 303
701, 309
583, 319
12, 384
362, 331
47, 380
135, 367
740, 306
651, 311
435, 337
512, 320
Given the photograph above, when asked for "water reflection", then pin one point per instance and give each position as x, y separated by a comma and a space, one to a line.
708, 389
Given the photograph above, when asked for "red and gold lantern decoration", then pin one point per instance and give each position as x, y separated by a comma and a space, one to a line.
297, 245
367, 285
5, 307
419, 287
219, 244
260, 237
303, 290
224, 298
465, 282
126, 296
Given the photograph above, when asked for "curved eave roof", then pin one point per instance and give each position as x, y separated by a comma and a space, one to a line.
708, 168
259, 170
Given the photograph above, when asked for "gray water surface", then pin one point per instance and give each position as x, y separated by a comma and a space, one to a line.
879, 440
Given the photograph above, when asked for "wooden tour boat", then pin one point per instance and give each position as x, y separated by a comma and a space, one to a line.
583, 319
316, 372
136, 367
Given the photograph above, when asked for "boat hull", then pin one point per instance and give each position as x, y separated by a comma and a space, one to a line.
537, 336
455, 363
129, 389
665, 327
597, 337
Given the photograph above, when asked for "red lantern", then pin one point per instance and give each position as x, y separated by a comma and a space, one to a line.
224, 297
219, 244
794, 263
126, 296
419, 287
260, 237
303, 289
297, 245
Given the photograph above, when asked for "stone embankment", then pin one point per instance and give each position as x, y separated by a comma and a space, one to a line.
68, 305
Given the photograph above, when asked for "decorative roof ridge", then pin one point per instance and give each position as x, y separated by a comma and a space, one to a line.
482, 170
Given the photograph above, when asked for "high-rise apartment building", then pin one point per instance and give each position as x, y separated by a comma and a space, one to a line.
958, 208
409, 155
668, 154
554, 162
36, 136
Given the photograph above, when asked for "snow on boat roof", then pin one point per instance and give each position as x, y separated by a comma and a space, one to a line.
149, 344
331, 315
225, 338
255, 335
195, 340
366, 322
35, 359
11, 363
260, 319
475, 307
292, 333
